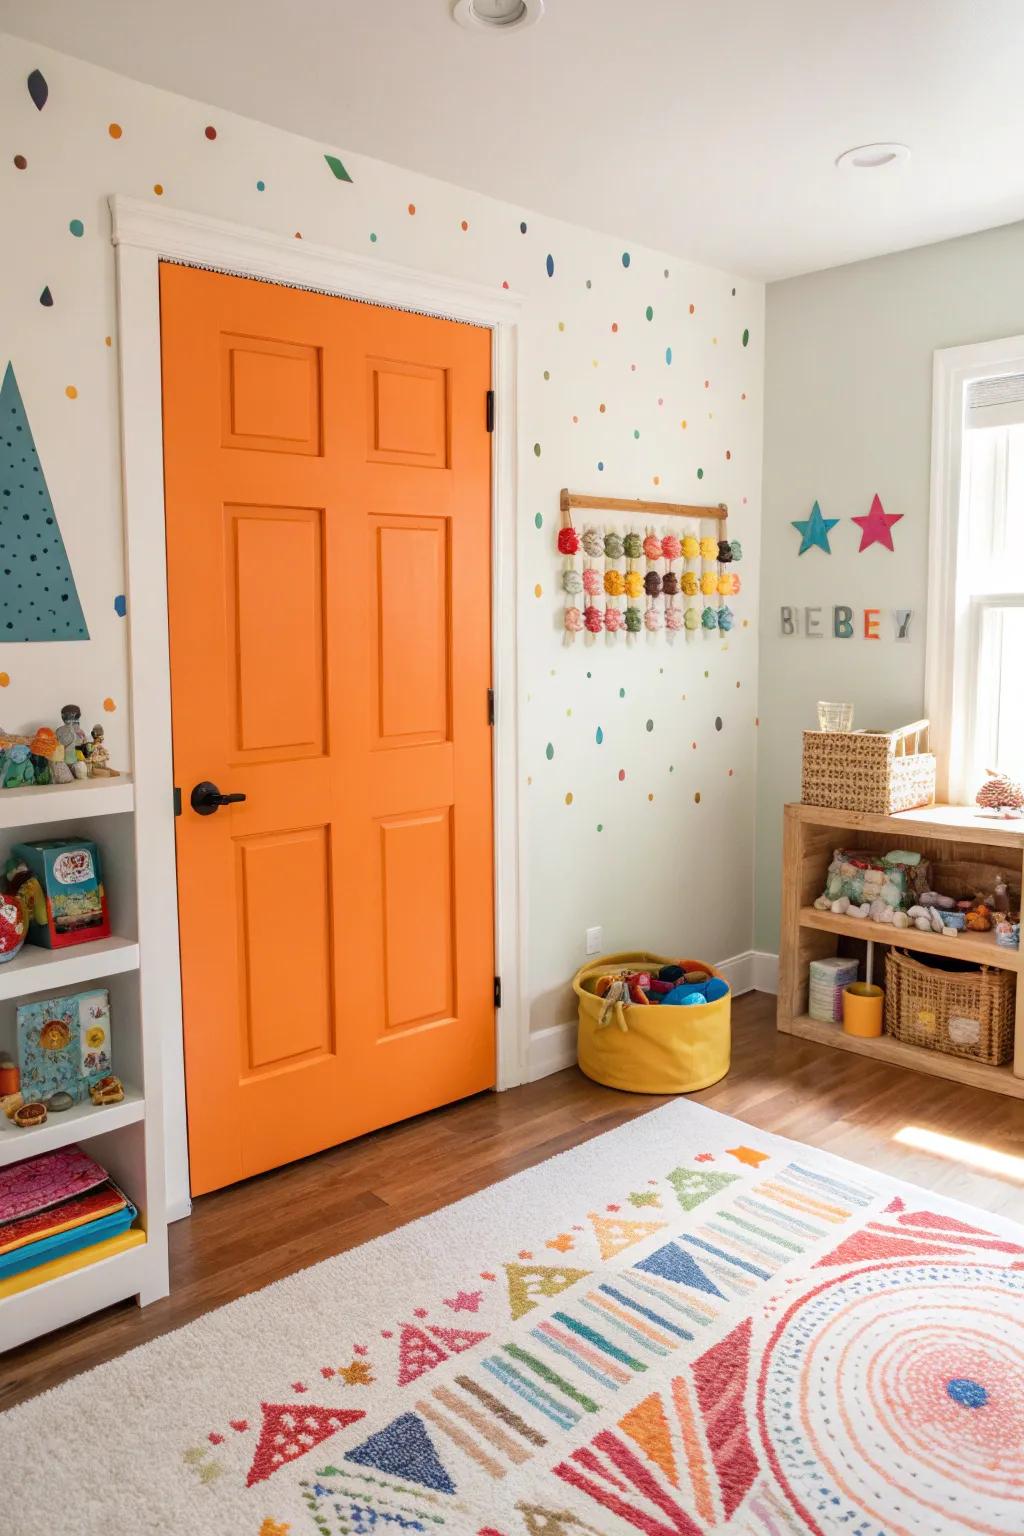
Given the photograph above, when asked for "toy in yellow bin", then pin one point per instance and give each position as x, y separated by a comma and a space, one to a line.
627, 1041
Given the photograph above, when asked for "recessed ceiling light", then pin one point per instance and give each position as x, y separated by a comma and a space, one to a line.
497, 15
872, 157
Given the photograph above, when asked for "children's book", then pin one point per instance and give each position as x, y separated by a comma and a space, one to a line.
64, 1044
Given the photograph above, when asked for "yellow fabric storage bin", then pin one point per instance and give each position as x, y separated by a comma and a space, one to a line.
651, 1049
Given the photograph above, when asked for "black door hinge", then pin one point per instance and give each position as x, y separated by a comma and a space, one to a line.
177, 800
490, 410
497, 991
490, 706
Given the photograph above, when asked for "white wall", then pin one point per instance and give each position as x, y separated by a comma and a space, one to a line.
848, 414
664, 870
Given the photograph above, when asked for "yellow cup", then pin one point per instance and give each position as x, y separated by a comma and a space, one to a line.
862, 1010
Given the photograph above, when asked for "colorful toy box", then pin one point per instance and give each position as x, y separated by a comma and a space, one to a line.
71, 877
64, 1044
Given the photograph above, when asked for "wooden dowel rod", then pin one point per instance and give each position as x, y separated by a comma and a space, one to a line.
570, 499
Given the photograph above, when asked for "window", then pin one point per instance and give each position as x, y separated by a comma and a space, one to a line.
976, 579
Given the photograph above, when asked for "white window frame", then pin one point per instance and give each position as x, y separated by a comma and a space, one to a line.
953, 617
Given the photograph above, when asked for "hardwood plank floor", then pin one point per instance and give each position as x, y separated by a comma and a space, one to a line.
242, 1238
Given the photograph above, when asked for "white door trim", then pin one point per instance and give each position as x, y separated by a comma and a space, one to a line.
946, 698
142, 235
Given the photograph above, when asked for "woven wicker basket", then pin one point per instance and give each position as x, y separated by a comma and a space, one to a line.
964, 1013
877, 772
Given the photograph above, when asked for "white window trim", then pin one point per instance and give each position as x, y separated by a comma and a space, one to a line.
950, 620
143, 234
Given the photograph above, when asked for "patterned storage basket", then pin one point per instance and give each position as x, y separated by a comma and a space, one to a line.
876, 772
965, 1013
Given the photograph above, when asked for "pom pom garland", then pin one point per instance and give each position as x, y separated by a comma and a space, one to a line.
737, 549
592, 619
671, 547
613, 546
652, 619
572, 581
709, 618
591, 581
735, 582
568, 541
691, 619
652, 547
613, 620
573, 620
709, 549
670, 583
724, 551
652, 584
614, 583
724, 585
633, 620
690, 584
674, 618
725, 618
709, 583
593, 543
632, 546
634, 584
690, 547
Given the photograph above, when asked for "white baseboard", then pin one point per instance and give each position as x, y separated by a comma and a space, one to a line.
177, 1210
552, 1049
766, 972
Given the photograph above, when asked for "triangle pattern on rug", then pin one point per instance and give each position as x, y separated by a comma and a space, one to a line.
615, 1234
647, 1425
695, 1185
289, 1430
404, 1449
528, 1283
458, 1339
720, 1377
862, 1246
417, 1354
673, 1263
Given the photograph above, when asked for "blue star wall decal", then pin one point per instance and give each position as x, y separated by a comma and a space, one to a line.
814, 530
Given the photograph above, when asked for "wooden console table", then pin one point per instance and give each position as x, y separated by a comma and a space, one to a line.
943, 834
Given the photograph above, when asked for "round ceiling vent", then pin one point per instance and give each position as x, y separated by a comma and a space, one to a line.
872, 157
497, 15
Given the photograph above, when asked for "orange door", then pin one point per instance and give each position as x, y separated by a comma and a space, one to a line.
327, 475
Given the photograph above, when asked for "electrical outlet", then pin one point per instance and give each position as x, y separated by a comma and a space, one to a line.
595, 940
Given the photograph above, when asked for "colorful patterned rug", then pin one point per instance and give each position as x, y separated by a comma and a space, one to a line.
685, 1326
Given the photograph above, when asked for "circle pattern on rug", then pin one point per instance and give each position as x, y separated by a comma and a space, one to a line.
897, 1394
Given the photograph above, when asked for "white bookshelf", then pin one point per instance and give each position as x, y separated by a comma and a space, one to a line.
125, 1138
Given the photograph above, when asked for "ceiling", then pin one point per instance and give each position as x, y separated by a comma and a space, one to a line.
708, 128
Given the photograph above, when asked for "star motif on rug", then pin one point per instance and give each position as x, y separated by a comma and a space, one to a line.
876, 527
274, 1527
358, 1374
464, 1301
524, 1253
704, 1157
814, 530
747, 1155
645, 1197
562, 1243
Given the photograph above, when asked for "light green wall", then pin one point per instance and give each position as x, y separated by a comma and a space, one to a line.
848, 388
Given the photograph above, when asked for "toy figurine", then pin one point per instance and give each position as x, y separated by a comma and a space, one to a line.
44, 747
99, 757
72, 715
16, 768
74, 762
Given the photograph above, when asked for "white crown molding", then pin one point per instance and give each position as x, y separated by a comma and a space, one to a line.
184, 236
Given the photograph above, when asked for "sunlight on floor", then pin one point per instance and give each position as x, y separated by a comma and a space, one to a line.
973, 1153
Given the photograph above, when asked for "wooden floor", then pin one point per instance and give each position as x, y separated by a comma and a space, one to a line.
240, 1239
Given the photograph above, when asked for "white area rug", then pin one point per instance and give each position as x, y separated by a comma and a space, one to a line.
684, 1326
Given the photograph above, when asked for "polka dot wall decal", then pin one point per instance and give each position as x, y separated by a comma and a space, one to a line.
718, 722
538, 590
20, 163
71, 392
600, 464
536, 450
696, 797
666, 271
549, 266
649, 726
549, 751
158, 188
38, 89
734, 293
636, 431
575, 421
120, 605
4, 679
693, 309
728, 454
46, 298
700, 474
561, 325
109, 706
622, 693
655, 479
622, 775
568, 797
505, 283
538, 520
261, 186
522, 228
373, 237
650, 796
77, 228
115, 130
411, 209
600, 826
210, 132
668, 355
683, 423
599, 736
602, 408
547, 375
746, 338
464, 225
649, 312
615, 326
108, 341
625, 258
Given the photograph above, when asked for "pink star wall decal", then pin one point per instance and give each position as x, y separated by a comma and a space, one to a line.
876, 528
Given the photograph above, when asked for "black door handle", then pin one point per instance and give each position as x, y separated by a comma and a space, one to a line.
206, 798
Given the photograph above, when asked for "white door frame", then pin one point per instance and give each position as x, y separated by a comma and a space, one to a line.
143, 234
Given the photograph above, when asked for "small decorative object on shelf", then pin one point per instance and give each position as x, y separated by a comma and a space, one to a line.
1001, 795
64, 1045
834, 717
13, 925
16, 768
877, 772
109, 1090
58, 756
70, 875
29, 1116
10, 1077
99, 757
826, 981
11, 1103
1007, 934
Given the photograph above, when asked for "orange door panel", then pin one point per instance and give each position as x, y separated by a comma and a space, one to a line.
327, 478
